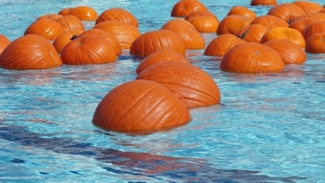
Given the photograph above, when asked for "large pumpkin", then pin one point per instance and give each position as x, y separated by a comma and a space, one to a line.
90, 49
183, 7
263, 2
124, 32
252, 33
205, 24
84, 13
220, 45
284, 33
51, 16
4, 41
314, 15
140, 107
47, 28
152, 41
160, 56
302, 23
315, 44
270, 21
64, 38
314, 28
70, 23
31, 51
192, 85
119, 14
309, 6
286, 11
242, 10
251, 57
191, 37
232, 24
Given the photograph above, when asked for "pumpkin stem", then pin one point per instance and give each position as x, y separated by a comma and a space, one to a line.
289, 21
73, 37
243, 34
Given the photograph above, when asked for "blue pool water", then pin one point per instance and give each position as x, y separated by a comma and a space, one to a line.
269, 128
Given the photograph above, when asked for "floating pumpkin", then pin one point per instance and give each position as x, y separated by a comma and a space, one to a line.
47, 28
314, 28
119, 14
286, 11
251, 57
290, 52
31, 51
160, 56
252, 33
200, 13
206, 24
314, 15
284, 33
109, 36
125, 33
65, 11
191, 37
51, 16
315, 44
70, 23
64, 38
152, 41
270, 21
302, 23
308, 6
140, 107
220, 45
232, 24
89, 49
242, 10
192, 85
183, 7
263, 2
4, 42
84, 13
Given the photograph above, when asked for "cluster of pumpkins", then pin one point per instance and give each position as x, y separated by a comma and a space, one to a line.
167, 85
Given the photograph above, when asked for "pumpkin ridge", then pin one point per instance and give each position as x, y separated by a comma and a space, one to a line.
164, 118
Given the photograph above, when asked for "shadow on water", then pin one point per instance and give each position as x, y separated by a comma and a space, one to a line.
135, 163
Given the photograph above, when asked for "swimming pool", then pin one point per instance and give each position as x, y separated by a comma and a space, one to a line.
269, 128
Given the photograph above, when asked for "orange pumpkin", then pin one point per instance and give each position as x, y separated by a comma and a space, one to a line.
125, 33
314, 28
200, 13
192, 85
232, 24
252, 57
242, 10
315, 44
253, 32
284, 33
119, 14
183, 7
64, 38
51, 16
90, 49
290, 52
308, 6
220, 45
286, 11
207, 24
302, 23
192, 39
152, 41
322, 11
160, 56
140, 107
263, 2
84, 13
47, 28
314, 15
270, 21
65, 11
4, 41
70, 23
31, 51
109, 36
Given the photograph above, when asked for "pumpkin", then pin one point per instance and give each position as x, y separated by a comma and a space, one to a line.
205, 24
220, 45
183, 7
47, 28
232, 24
290, 52
140, 107
192, 39
252, 33
4, 41
242, 10
119, 14
152, 41
314, 15
70, 23
263, 2
286, 11
251, 57
125, 33
322, 11
31, 51
200, 13
315, 44
270, 21
109, 36
284, 33
160, 56
64, 39
51, 16
314, 28
84, 13
65, 11
302, 23
308, 6
192, 85
90, 49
